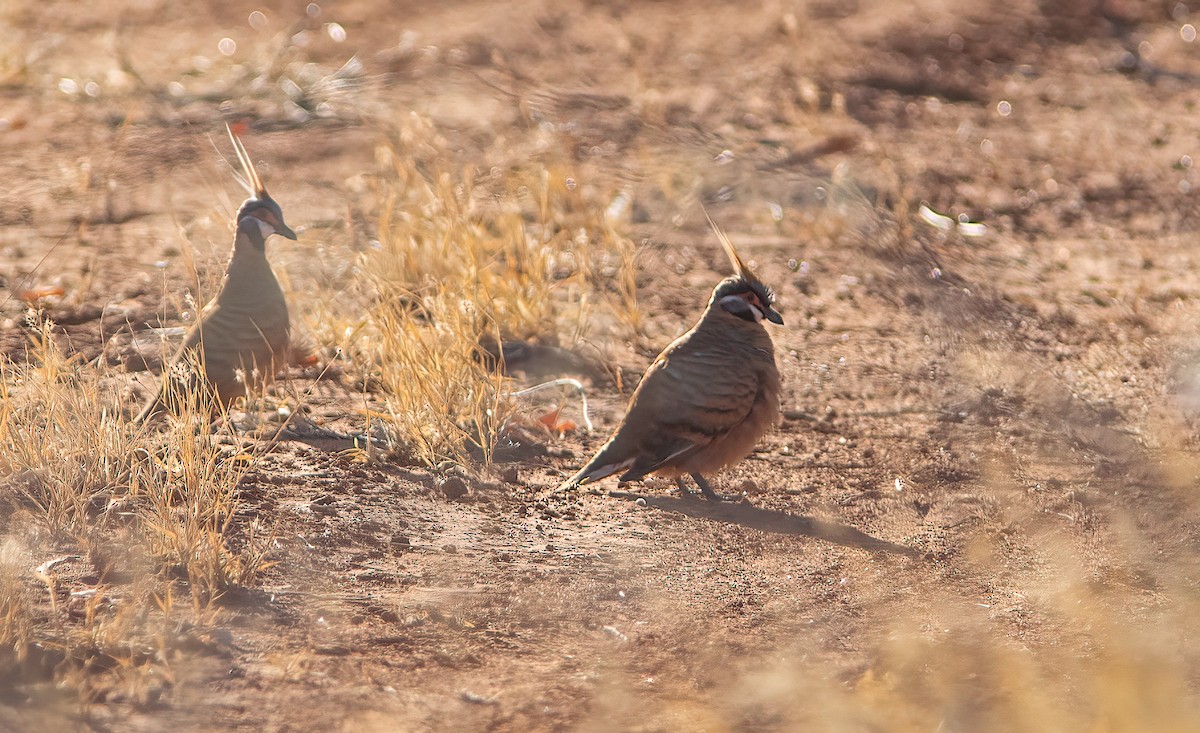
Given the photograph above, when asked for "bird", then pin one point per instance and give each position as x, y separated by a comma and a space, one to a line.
709, 396
244, 333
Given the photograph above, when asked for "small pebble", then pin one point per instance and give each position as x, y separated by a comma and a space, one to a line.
615, 633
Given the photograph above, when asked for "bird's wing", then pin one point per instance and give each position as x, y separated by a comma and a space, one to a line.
232, 337
693, 394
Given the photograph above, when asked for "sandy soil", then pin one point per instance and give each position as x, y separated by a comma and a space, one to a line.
964, 416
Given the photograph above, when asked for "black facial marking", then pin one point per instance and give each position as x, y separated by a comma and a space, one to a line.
248, 227
740, 286
748, 299
739, 306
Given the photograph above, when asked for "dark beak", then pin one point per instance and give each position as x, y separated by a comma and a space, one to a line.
284, 230
773, 315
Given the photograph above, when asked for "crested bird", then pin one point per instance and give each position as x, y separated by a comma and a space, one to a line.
708, 397
243, 334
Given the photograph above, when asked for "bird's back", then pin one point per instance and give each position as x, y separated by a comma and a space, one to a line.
701, 406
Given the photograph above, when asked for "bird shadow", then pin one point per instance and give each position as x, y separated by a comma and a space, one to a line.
769, 520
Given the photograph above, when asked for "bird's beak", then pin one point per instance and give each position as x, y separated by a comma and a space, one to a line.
284, 230
772, 315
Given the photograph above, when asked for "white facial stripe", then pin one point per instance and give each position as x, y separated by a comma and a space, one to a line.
758, 314
266, 229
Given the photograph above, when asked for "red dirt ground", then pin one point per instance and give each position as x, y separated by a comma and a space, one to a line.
965, 416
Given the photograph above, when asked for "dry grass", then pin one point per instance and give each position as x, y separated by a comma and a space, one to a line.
65, 447
187, 498
455, 270
145, 515
16, 606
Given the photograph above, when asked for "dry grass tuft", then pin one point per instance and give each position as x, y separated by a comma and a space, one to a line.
187, 498
16, 606
145, 515
63, 446
455, 269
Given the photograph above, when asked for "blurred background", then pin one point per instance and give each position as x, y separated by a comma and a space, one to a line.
980, 221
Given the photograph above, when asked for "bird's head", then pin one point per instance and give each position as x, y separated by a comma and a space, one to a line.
747, 299
742, 293
258, 215
262, 212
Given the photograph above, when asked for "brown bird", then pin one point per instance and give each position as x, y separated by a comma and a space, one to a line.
243, 334
708, 397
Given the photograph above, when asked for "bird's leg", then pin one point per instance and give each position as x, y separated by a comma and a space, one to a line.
684, 491
709, 493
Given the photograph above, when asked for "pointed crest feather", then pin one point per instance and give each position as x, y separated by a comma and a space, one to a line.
739, 267
253, 183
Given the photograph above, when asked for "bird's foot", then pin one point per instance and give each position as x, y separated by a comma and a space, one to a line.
714, 496
684, 491
709, 493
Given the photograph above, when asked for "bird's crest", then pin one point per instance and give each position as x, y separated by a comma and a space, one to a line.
252, 183
743, 279
739, 267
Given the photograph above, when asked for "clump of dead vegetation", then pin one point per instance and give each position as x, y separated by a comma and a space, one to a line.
456, 271
142, 517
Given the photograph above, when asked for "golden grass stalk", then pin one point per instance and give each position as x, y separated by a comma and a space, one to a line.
112, 492
63, 446
443, 399
455, 271
444, 283
188, 496
16, 606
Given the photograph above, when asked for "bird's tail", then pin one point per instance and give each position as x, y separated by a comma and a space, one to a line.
601, 466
